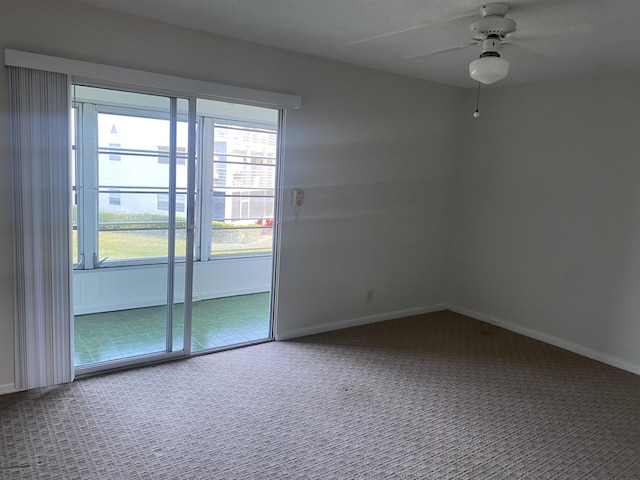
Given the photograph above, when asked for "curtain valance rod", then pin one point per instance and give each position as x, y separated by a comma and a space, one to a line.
180, 85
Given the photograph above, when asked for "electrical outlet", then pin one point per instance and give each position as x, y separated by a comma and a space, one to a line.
369, 298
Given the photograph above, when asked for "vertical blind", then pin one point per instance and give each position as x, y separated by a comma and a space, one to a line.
39, 111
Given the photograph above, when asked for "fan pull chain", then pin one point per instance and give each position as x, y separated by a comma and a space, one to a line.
476, 114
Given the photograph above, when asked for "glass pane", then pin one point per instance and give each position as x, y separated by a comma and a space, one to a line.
74, 190
243, 190
110, 333
133, 155
243, 207
180, 230
122, 312
232, 298
126, 233
233, 176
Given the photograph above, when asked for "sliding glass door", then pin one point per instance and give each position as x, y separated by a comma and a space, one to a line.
130, 224
174, 215
237, 185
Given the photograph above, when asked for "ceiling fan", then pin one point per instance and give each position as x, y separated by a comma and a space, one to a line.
491, 31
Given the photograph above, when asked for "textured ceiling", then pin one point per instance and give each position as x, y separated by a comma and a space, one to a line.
554, 38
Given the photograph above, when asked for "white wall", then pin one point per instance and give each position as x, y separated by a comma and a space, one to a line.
547, 230
376, 165
122, 288
373, 152
547, 215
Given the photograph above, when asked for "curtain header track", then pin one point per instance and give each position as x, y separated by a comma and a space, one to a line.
179, 85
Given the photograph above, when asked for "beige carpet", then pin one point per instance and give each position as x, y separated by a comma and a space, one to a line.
437, 396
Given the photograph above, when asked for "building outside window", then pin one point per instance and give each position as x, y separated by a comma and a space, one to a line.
114, 154
114, 199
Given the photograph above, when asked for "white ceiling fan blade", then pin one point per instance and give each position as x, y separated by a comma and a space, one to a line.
457, 21
425, 56
555, 29
513, 50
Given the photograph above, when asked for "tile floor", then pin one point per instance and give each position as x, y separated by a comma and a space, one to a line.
216, 323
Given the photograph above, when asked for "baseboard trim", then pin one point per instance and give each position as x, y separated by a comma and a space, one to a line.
7, 388
354, 322
550, 339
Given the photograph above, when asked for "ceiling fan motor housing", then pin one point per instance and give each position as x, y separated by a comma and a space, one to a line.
493, 22
494, 9
490, 46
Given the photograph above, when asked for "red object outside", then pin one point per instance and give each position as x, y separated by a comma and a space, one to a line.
265, 222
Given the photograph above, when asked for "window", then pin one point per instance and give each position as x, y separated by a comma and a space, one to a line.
113, 149
244, 177
114, 199
117, 214
181, 155
162, 202
122, 183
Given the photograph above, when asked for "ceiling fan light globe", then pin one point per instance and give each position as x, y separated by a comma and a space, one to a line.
489, 70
